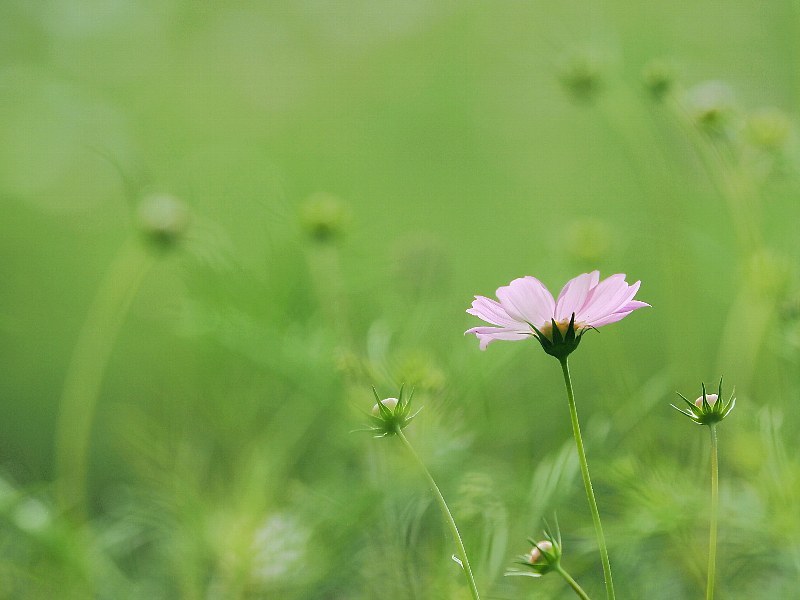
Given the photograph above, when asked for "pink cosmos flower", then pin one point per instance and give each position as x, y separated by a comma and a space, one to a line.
526, 308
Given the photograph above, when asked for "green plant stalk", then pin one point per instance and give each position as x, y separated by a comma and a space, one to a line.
448, 517
572, 583
587, 482
712, 535
85, 371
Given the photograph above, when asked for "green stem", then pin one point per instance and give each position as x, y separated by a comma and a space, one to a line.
85, 371
448, 517
712, 536
587, 482
572, 583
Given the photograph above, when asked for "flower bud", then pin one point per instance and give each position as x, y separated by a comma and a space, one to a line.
769, 128
710, 398
391, 415
581, 76
711, 105
536, 556
324, 217
658, 78
708, 409
163, 219
390, 403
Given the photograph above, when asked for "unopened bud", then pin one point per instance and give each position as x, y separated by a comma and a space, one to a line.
325, 217
711, 105
536, 551
659, 79
710, 398
581, 76
163, 219
769, 128
390, 403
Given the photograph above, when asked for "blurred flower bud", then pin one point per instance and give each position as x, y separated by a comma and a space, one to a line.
163, 219
589, 240
769, 128
325, 217
582, 76
768, 273
710, 105
708, 409
658, 78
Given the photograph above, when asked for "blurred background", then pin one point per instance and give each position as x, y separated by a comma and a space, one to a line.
223, 222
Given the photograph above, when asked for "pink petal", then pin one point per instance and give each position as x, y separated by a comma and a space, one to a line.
527, 300
486, 335
605, 299
573, 295
490, 311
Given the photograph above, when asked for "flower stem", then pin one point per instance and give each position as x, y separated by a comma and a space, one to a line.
85, 371
572, 583
587, 482
712, 536
448, 517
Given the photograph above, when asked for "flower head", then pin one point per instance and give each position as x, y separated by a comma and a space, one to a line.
708, 409
526, 308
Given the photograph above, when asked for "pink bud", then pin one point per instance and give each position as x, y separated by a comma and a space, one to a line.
536, 553
389, 403
712, 399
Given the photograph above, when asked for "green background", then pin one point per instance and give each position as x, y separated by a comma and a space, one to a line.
452, 146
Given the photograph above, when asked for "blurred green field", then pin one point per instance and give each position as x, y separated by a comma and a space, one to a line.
355, 172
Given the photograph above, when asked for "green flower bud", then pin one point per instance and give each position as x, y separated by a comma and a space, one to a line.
325, 217
582, 76
769, 128
658, 78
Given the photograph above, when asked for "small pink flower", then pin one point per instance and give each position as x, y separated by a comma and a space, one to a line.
526, 308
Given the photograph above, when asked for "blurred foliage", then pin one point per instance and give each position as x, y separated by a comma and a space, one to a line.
353, 173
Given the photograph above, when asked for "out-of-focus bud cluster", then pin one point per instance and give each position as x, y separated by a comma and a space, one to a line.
325, 217
163, 219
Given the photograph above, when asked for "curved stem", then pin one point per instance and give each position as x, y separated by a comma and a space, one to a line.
572, 583
85, 371
448, 517
712, 536
587, 482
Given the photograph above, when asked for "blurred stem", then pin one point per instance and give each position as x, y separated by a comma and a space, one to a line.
448, 517
85, 371
712, 536
572, 583
328, 282
587, 482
